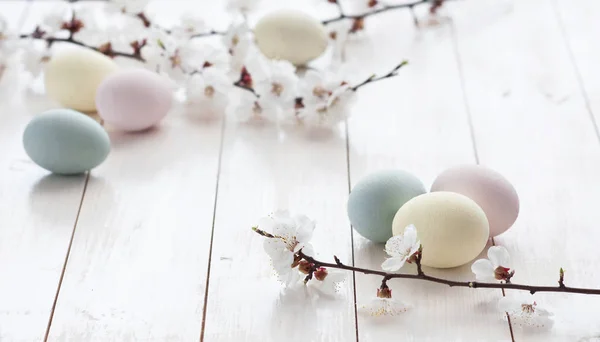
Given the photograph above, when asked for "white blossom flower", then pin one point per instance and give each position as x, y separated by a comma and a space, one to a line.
207, 93
525, 312
339, 33
8, 42
56, 17
252, 108
127, 6
292, 234
166, 57
400, 248
35, 56
330, 112
327, 282
275, 81
195, 57
384, 305
238, 42
189, 24
242, 6
494, 269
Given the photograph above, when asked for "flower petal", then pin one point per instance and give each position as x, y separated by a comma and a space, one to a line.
305, 228
307, 249
384, 307
508, 304
499, 256
483, 269
393, 264
410, 235
394, 247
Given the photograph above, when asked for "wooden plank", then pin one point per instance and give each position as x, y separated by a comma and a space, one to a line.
532, 125
263, 171
416, 122
137, 267
38, 213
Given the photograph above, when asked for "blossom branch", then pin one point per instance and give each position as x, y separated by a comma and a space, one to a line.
435, 4
105, 49
470, 284
374, 78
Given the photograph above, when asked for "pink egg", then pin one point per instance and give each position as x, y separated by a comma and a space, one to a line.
133, 100
486, 187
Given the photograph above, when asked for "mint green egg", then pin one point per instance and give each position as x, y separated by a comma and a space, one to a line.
375, 200
64, 141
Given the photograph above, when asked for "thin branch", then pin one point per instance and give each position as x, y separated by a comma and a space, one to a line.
470, 284
208, 34
373, 78
71, 40
386, 8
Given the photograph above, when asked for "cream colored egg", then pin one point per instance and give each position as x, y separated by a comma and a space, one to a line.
73, 75
452, 228
290, 35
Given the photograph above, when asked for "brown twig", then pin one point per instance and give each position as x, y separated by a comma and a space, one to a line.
374, 78
435, 4
108, 52
470, 284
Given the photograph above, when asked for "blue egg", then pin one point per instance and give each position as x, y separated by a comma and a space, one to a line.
66, 142
375, 199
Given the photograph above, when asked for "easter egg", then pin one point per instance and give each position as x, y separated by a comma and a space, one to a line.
452, 228
489, 189
291, 35
64, 141
73, 75
134, 100
375, 199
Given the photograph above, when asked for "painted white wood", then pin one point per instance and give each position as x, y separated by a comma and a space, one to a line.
263, 171
37, 214
416, 122
137, 267
532, 125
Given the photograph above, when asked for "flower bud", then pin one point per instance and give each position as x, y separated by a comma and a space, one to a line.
305, 266
320, 273
503, 273
384, 292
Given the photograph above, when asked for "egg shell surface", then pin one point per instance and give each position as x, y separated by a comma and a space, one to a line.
376, 198
291, 35
488, 188
134, 100
64, 141
452, 228
73, 75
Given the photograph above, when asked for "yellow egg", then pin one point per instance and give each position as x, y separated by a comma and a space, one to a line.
452, 228
291, 35
72, 76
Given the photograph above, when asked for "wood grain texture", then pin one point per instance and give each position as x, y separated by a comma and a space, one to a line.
263, 171
37, 214
532, 125
137, 267
416, 122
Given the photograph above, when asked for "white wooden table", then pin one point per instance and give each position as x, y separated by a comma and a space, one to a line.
155, 244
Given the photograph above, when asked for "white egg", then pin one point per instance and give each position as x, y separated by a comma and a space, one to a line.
452, 228
73, 75
291, 35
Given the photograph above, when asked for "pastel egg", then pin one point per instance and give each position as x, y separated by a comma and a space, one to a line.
134, 100
291, 35
452, 228
73, 75
489, 189
64, 141
375, 199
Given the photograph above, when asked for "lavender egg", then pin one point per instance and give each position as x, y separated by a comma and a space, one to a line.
134, 100
489, 189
